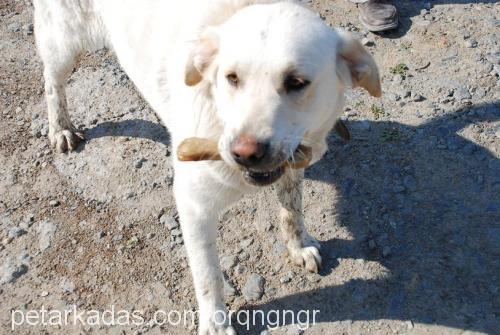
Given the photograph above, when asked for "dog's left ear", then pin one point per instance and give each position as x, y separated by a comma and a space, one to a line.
360, 64
201, 56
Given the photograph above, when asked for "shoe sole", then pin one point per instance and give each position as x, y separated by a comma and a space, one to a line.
389, 26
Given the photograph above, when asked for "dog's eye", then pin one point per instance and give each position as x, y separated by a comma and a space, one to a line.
294, 83
232, 78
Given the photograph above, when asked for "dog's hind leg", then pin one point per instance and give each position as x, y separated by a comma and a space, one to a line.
59, 39
302, 247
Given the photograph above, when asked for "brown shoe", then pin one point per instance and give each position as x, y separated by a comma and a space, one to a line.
378, 15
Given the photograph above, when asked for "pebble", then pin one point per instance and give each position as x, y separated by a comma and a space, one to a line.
246, 242
228, 262
286, 278
367, 42
15, 27
240, 269
169, 221
139, 163
472, 43
16, 232
67, 286
229, 290
46, 231
461, 93
28, 29
54, 203
497, 132
44, 294
176, 232
254, 287
10, 271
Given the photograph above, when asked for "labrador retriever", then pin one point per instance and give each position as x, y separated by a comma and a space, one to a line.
258, 77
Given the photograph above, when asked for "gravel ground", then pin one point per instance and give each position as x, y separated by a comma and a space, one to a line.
408, 212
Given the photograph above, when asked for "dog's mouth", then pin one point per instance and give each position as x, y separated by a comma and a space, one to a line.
263, 178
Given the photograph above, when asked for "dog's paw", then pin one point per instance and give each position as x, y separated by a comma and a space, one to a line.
307, 256
211, 328
65, 140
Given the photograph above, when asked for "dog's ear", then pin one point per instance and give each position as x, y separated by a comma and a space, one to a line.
361, 67
201, 56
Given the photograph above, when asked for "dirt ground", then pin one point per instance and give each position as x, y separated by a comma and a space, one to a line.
408, 211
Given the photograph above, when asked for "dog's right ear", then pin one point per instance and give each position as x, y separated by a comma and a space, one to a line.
201, 56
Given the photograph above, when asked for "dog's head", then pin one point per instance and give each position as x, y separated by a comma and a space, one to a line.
277, 72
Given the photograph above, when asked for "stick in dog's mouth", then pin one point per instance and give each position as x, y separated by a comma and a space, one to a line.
202, 149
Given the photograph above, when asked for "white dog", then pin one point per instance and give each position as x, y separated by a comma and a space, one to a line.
259, 77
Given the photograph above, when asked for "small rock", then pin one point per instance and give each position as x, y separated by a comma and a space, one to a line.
176, 232
169, 221
229, 261
367, 42
28, 29
393, 97
418, 98
497, 132
16, 232
54, 203
229, 290
150, 236
471, 43
46, 232
138, 164
100, 235
240, 269
246, 242
15, 27
254, 287
10, 271
462, 93
397, 79
44, 294
67, 286
286, 278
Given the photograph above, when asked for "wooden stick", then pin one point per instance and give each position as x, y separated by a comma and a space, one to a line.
200, 149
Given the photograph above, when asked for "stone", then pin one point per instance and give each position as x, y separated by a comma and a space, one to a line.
46, 231
286, 278
228, 262
462, 93
229, 290
254, 287
169, 221
10, 271
16, 232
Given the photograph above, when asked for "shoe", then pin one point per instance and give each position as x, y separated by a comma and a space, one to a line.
378, 15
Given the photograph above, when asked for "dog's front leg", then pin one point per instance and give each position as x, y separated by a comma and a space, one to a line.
199, 202
302, 247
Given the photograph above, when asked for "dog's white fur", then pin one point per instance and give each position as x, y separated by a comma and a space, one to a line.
178, 53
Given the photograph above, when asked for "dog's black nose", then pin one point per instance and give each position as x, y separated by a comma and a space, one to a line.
247, 151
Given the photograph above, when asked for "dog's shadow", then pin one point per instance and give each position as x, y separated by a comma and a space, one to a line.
423, 202
132, 128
